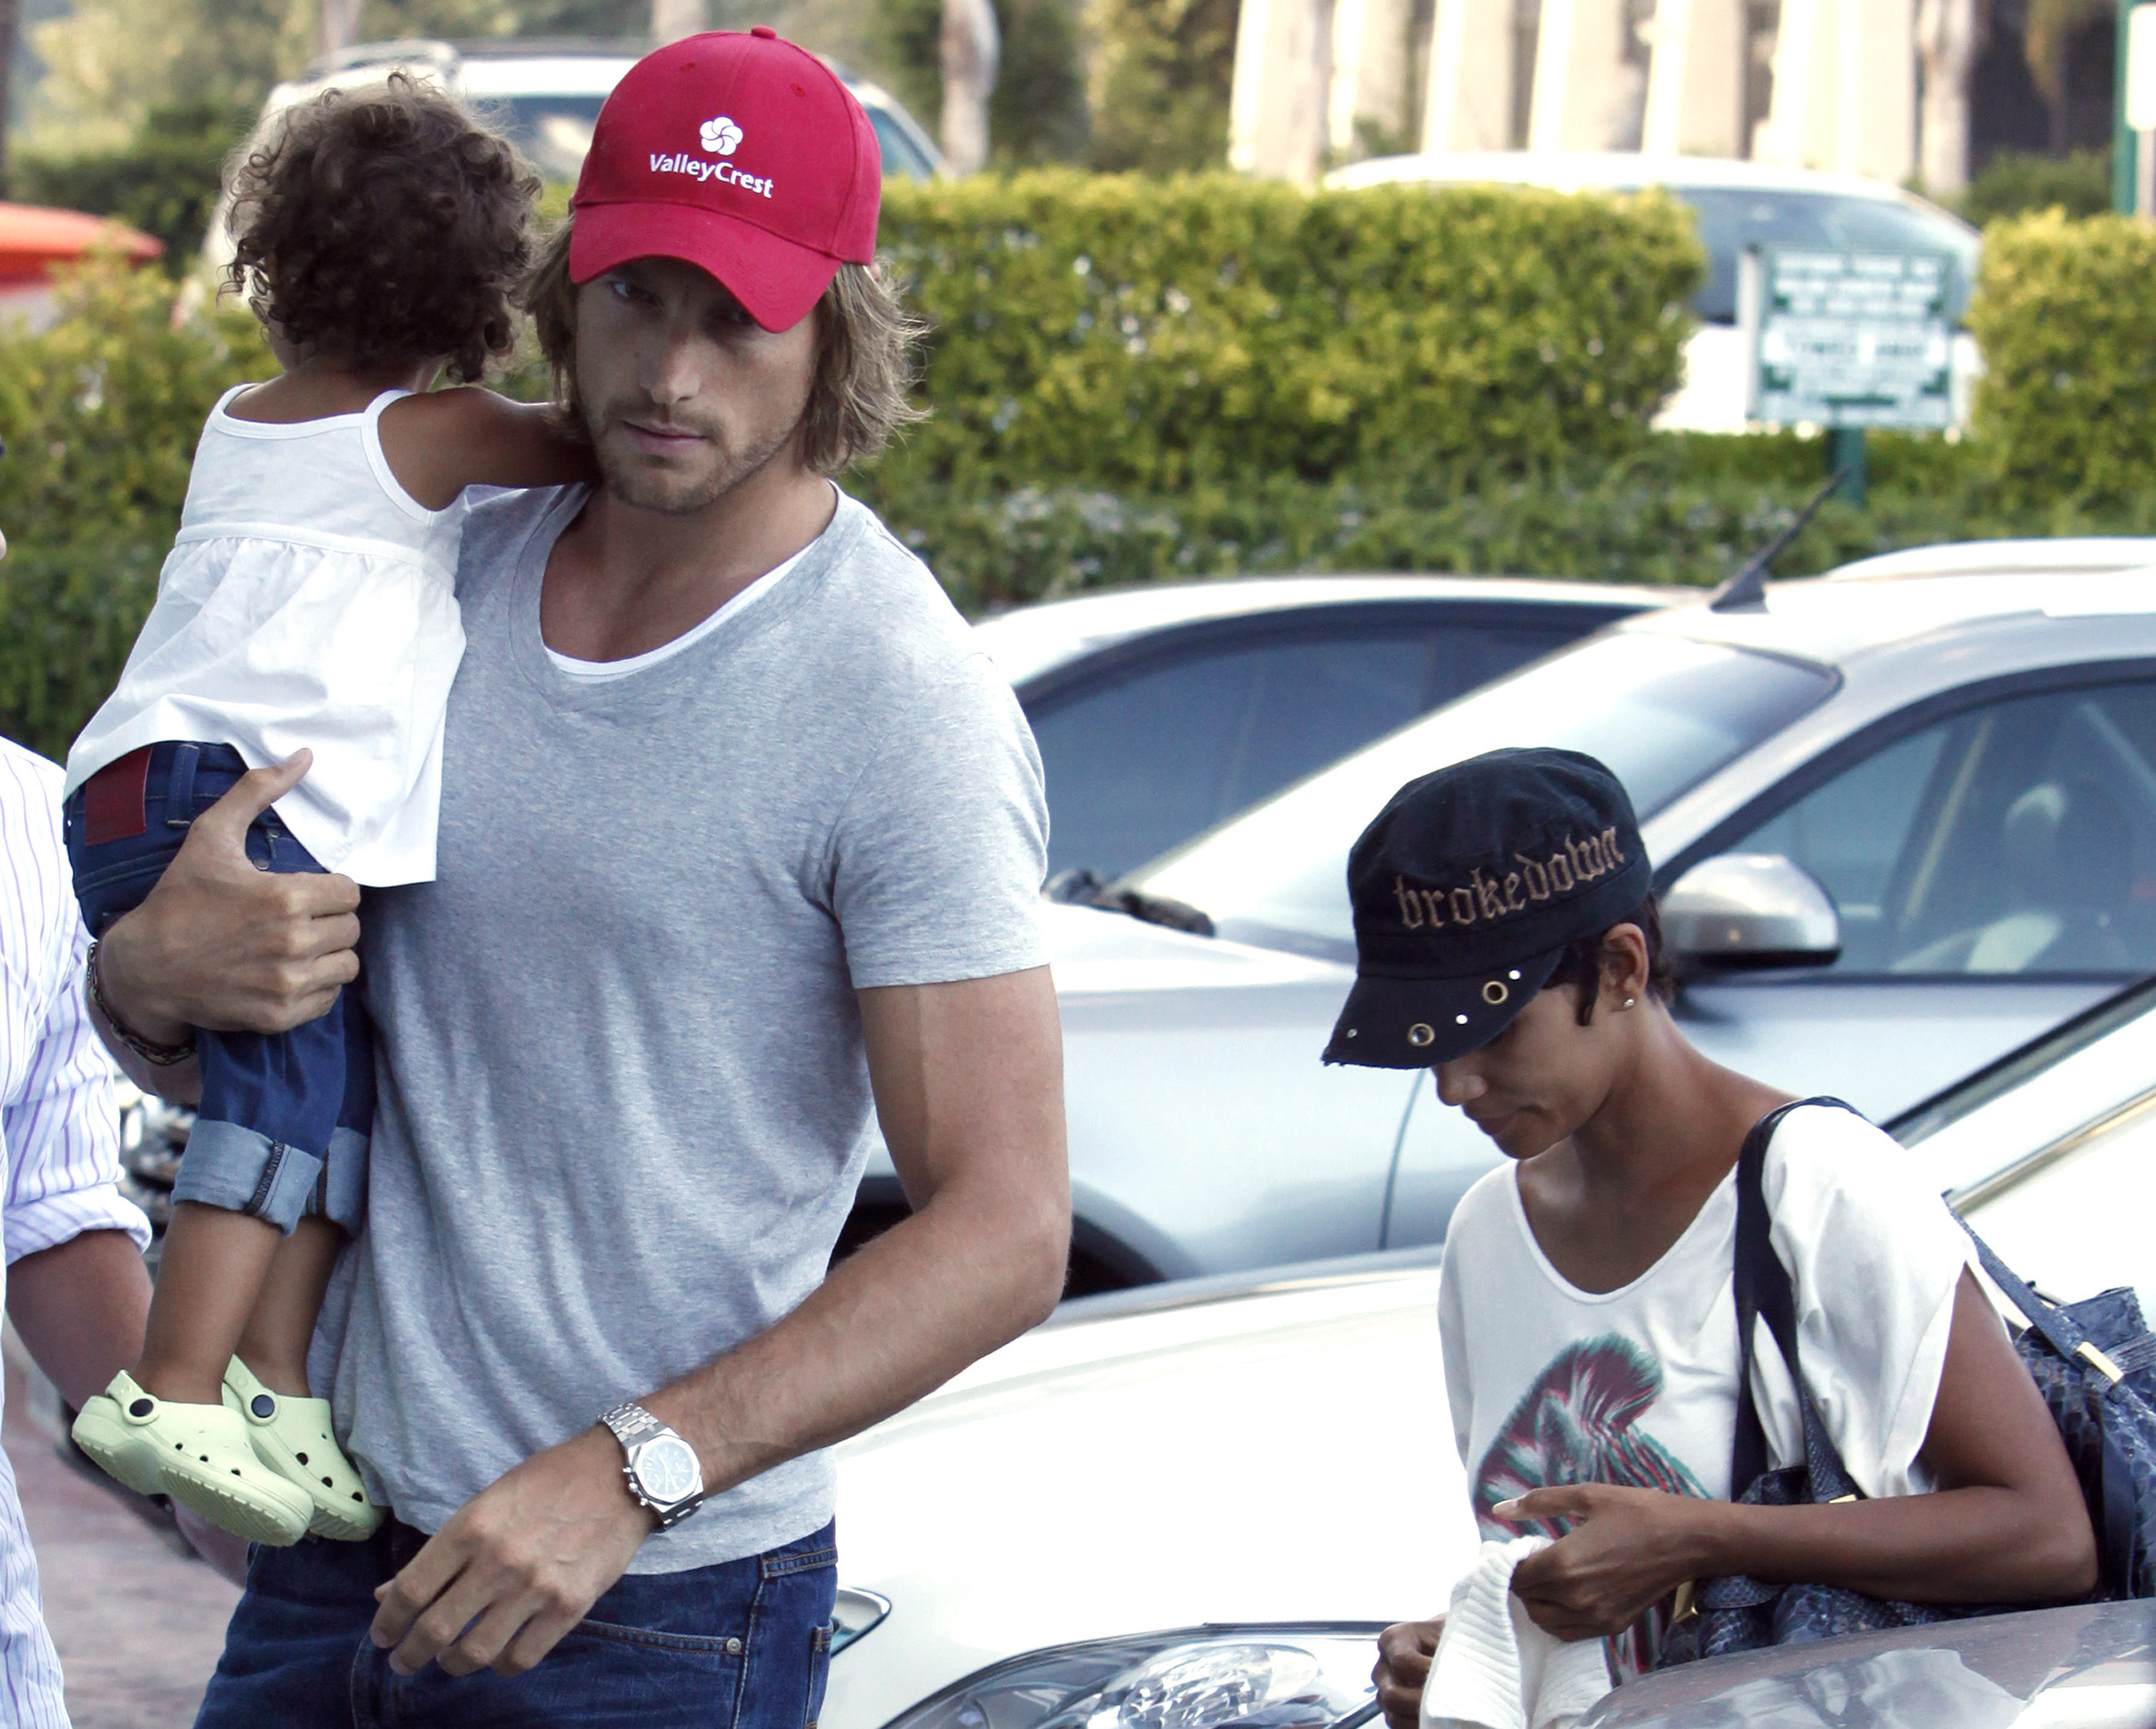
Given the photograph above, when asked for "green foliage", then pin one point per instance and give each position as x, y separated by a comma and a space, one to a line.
100, 414
1686, 509
2066, 313
1161, 71
165, 183
109, 62
1151, 336
2015, 182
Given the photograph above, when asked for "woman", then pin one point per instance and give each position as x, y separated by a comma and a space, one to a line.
1507, 939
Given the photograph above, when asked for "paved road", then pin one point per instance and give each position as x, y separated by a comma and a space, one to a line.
138, 1626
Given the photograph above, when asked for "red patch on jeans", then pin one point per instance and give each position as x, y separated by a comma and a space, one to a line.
113, 799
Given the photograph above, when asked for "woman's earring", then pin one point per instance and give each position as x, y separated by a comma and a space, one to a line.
1630, 1000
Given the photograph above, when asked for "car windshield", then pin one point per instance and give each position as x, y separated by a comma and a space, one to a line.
1733, 217
1663, 712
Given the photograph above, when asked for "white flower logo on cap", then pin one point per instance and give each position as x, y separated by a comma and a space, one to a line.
721, 135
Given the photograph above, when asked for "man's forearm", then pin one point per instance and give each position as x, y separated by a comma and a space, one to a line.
969, 1272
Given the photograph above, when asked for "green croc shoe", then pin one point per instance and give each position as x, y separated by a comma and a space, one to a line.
197, 1454
292, 1436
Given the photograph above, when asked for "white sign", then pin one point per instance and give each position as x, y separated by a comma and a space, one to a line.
2141, 69
1848, 338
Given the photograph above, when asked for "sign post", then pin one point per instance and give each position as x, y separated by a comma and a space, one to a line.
2133, 189
1847, 340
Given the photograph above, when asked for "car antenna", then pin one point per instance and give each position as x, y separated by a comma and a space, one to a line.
1747, 589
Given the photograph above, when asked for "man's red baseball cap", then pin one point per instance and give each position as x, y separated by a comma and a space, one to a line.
741, 154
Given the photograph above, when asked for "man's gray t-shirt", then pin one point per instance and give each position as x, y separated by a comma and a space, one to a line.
624, 1102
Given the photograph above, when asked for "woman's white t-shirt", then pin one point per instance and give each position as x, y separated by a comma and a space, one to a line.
1550, 1384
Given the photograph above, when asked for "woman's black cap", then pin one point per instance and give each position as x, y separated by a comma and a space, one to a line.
1467, 889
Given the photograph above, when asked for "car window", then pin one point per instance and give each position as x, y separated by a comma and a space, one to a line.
2017, 839
1731, 219
901, 155
1662, 712
1137, 767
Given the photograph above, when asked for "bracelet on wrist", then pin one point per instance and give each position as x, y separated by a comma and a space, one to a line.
148, 1049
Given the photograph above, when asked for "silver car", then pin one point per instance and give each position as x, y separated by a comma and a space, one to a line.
1161, 710
1904, 822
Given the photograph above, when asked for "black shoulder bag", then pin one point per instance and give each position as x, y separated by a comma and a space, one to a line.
2094, 1361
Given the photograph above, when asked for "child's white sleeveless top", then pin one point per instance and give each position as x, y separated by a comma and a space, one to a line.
308, 601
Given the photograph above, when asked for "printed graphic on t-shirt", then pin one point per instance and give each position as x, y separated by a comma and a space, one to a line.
1579, 1423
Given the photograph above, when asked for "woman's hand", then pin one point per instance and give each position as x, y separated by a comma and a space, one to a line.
1404, 1654
1626, 1550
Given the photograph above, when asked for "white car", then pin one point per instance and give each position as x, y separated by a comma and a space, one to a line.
545, 96
1737, 205
1192, 1507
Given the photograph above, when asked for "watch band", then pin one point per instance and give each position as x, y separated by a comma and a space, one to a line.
631, 1422
633, 1427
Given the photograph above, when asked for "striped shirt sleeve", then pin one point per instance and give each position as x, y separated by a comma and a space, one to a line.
59, 1123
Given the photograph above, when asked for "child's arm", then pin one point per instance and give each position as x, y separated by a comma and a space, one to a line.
443, 441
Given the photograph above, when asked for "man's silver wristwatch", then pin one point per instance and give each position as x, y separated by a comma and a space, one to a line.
662, 1469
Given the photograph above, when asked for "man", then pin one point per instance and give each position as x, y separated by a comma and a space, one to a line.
739, 835
74, 1281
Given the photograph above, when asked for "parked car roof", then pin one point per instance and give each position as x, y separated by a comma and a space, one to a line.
1028, 640
1614, 171
2008, 557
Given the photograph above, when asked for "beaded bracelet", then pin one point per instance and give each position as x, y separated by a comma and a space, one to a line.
149, 1050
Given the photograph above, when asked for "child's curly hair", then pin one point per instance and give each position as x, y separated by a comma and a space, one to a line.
384, 224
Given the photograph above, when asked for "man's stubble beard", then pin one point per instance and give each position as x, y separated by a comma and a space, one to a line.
629, 481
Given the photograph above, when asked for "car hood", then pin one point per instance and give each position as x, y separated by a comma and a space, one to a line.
2090, 1667
1280, 1455
1097, 953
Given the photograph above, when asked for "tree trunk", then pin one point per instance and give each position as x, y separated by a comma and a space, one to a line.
673, 19
970, 48
1948, 34
336, 26
9, 24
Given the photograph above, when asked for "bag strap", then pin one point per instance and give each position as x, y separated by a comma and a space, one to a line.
1764, 1292
2056, 1327
2118, 1545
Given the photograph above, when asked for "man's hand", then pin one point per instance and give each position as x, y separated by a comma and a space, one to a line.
1404, 1651
1626, 1550
220, 943
517, 1565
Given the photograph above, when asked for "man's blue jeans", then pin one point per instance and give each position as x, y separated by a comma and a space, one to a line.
745, 1644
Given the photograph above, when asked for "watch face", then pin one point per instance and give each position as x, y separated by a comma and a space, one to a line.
666, 1469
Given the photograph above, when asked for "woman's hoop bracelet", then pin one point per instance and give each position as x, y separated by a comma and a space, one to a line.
150, 1051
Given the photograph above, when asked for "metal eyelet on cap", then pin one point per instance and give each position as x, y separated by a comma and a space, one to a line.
1496, 992
1422, 1033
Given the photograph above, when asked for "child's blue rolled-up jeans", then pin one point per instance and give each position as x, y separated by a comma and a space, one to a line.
281, 1131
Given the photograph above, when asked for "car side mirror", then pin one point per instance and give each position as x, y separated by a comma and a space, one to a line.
1750, 909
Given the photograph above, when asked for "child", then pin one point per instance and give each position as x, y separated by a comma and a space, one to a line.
309, 603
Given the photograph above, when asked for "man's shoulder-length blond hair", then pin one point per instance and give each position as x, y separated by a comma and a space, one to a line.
867, 356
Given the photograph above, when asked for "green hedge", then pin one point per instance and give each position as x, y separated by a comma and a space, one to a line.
166, 183
2066, 313
1111, 330
100, 414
